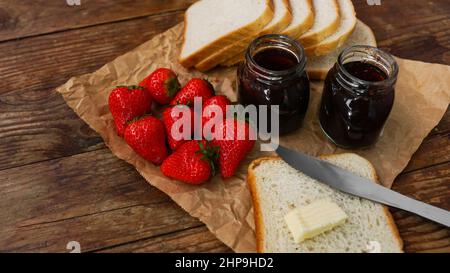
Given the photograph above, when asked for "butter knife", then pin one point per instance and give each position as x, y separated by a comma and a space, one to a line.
350, 183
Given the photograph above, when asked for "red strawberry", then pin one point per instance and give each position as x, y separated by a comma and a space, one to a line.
192, 163
231, 150
147, 138
209, 112
169, 118
162, 84
221, 101
128, 103
194, 88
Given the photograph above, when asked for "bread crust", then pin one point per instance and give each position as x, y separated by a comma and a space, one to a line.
236, 35
234, 60
259, 221
251, 181
325, 48
321, 74
284, 22
295, 33
240, 46
302, 28
387, 213
317, 37
394, 228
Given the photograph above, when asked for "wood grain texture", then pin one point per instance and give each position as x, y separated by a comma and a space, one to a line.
198, 240
35, 122
93, 198
418, 30
431, 185
434, 150
19, 19
104, 204
443, 126
66, 185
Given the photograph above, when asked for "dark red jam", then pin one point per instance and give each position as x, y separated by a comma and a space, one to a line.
275, 59
365, 71
357, 99
274, 74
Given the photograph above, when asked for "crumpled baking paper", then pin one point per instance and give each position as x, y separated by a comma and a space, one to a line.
422, 97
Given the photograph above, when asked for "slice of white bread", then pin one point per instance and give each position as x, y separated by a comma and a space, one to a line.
281, 19
212, 24
277, 188
302, 20
346, 27
326, 22
318, 66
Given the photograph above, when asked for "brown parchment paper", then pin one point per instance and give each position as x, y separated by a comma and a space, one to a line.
422, 97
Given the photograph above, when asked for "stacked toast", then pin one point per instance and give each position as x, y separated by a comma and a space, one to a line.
218, 32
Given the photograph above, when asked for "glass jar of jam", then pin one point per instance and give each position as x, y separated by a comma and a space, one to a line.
273, 73
358, 96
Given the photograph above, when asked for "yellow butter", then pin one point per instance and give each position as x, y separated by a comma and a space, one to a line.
316, 218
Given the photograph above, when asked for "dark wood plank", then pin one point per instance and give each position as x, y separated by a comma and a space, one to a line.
419, 235
415, 30
444, 124
104, 204
100, 203
197, 240
35, 122
20, 19
99, 230
431, 185
434, 150
45, 62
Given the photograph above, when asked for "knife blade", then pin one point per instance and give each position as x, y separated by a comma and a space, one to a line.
350, 183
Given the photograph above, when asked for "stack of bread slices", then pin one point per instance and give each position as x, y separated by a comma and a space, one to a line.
218, 32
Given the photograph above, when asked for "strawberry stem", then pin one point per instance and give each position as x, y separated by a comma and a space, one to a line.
131, 87
209, 154
138, 118
173, 86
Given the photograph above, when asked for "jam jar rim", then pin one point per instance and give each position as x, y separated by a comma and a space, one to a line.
391, 77
280, 38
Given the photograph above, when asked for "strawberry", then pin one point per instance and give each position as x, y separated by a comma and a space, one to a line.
194, 88
221, 101
162, 84
127, 103
231, 150
169, 118
147, 138
192, 163
209, 113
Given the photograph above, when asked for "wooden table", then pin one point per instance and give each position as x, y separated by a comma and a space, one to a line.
60, 183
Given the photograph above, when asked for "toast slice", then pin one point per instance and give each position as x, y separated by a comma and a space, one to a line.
326, 22
281, 19
302, 20
346, 27
318, 66
207, 30
277, 188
